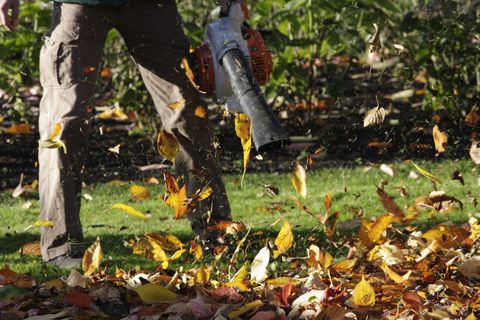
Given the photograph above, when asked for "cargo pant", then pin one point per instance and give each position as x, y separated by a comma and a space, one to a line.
153, 34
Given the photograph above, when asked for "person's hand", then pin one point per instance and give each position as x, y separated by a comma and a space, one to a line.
9, 10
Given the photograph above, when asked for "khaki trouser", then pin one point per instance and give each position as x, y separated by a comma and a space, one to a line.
153, 33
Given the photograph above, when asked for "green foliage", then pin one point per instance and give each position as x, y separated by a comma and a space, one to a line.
441, 37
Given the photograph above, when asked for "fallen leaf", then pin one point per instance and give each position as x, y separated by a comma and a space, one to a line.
385, 168
139, 193
440, 139
129, 210
88, 196
374, 41
284, 240
17, 192
92, 258
244, 132
151, 293
475, 152
332, 313
299, 180
113, 114
244, 309
471, 268
374, 116
327, 202
79, 299
363, 294
167, 145
76, 279
258, 270
239, 279
393, 275
31, 249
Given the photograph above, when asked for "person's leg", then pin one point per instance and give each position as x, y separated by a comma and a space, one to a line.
153, 32
69, 60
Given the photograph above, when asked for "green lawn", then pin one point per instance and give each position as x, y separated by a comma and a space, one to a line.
353, 189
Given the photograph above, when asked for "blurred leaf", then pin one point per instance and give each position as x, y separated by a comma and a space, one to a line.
299, 180
139, 193
129, 210
426, 174
167, 146
152, 293
440, 139
244, 132
374, 116
258, 270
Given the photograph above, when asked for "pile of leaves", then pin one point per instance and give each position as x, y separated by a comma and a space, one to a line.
379, 268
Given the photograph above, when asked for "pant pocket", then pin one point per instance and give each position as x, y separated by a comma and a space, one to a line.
57, 67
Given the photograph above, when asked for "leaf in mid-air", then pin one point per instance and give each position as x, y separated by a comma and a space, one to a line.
299, 180
129, 210
243, 130
167, 145
92, 258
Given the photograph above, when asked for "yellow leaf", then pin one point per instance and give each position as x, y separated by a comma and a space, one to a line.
280, 282
113, 114
284, 240
363, 294
52, 144
168, 242
299, 180
244, 132
188, 71
151, 293
43, 223
177, 254
239, 279
129, 210
345, 266
139, 192
56, 131
393, 275
440, 139
425, 173
177, 104
178, 201
244, 309
377, 229
202, 276
92, 258
159, 254
471, 317
167, 145
152, 180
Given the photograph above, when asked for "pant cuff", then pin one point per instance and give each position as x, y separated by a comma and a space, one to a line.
64, 249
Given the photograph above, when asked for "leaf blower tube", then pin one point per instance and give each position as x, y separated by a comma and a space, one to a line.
267, 133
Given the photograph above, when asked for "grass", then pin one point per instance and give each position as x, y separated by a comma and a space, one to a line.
353, 190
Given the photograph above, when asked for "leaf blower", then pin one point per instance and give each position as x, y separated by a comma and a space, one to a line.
230, 64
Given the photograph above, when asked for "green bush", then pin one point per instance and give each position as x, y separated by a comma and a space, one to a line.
441, 37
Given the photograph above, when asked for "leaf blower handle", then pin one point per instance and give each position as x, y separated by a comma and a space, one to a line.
267, 133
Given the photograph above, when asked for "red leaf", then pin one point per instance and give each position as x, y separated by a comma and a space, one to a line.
286, 290
79, 299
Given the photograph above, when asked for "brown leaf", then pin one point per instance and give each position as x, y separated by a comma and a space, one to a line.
389, 204
20, 128
473, 118
327, 202
456, 175
332, 313
440, 139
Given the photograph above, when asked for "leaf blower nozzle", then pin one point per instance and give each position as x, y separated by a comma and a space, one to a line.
267, 133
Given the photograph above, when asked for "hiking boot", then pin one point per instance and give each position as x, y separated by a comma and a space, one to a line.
65, 262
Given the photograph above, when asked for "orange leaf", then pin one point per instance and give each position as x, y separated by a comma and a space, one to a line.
327, 202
